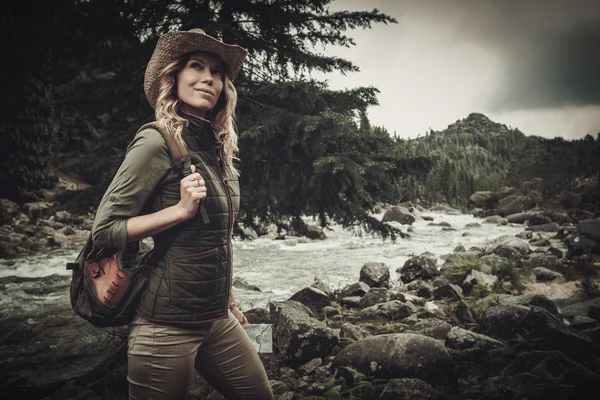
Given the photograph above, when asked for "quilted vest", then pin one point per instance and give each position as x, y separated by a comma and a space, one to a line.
191, 283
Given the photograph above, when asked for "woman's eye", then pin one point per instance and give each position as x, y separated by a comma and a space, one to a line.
196, 66
218, 72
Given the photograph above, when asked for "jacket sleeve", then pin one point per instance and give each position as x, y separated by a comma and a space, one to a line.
147, 160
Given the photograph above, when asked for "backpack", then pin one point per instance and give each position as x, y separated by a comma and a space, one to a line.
107, 284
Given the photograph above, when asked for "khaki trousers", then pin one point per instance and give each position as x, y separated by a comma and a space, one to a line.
162, 358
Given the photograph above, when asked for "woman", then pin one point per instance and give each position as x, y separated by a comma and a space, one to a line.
187, 317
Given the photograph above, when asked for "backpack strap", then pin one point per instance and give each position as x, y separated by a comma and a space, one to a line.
180, 155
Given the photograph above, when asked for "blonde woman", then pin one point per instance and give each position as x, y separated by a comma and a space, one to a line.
187, 317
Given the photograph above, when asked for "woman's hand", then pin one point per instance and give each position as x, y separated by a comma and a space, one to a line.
192, 190
239, 315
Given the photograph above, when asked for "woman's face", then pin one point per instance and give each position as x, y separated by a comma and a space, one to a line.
200, 83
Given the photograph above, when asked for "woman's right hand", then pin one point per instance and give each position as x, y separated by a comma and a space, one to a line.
192, 190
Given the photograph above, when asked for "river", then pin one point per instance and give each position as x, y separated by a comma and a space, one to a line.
278, 267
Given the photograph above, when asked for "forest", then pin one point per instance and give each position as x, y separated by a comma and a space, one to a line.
73, 99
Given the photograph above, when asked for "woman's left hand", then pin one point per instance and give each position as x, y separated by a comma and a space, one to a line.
239, 315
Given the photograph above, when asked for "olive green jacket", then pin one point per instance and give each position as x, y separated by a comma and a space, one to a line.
191, 282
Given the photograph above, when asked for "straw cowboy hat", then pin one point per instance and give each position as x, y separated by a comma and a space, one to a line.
173, 45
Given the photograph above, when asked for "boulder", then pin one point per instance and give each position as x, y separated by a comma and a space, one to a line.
530, 300
350, 301
409, 388
541, 260
481, 278
472, 225
356, 289
393, 310
448, 291
353, 332
418, 268
463, 313
398, 214
588, 307
315, 232
258, 316
502, 321
514, 204
241, 283
375, 296
402, 354
509, 247
549, 227
375, 274
8, 211
313, 298
496, 219
522, 217
432, 327
545, 275
460, 339
38, 210
586, 239
297, 335
319, 284
482, 199
538, 375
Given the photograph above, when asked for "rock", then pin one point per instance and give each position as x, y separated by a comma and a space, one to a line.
594, 310
398, 214
393, 310
310, 366
249, 233
418, 268
375, 296
544, 275
588, 307
315, 232
482, 199
297, 335
549, 227
509, 247
375, 274
448, 291
459, 249
502, 321
356, 289
463, 313
431, 310
68, 231
545, 331
432, 327
496, 219
402, 354
443, 224
526, 235
460, 339
38, 210
353, 332
8, 211
241, 283
427, 218
541, 260
555, 252
63, 217
522, 217
330, 311
350, 301
57, 240
490, 261
258, 316
530, 300
538, 375
478, 277
407, 388
586, 239
472, 225
319, 284
313, 298
582, 323
513, 205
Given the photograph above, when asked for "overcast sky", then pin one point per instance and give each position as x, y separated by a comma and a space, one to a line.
530, 64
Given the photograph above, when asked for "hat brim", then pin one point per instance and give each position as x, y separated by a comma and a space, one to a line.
174, 45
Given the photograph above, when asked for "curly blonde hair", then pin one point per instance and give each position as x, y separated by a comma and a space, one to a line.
169, 114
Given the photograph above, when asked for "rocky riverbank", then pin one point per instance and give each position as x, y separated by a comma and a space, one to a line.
514, 318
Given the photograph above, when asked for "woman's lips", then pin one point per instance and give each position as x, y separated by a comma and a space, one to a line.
208, 92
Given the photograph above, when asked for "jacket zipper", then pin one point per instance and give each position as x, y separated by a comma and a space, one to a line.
229, 228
